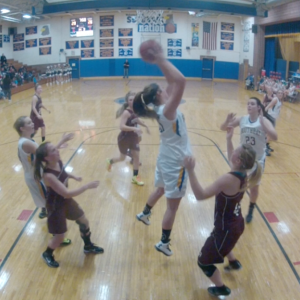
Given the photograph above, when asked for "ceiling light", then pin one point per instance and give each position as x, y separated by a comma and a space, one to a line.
192, 13
5, 10
26, 16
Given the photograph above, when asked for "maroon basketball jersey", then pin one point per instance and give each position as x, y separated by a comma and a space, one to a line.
53, 199
38, 106
228, 208
129, 123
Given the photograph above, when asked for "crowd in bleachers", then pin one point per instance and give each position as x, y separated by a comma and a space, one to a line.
11, 77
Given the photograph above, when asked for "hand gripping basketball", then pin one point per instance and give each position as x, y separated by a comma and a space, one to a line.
151, 51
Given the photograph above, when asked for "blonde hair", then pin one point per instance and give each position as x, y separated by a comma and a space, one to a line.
125, 105
20, 122
248, 160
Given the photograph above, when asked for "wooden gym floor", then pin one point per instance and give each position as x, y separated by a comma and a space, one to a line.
131, 268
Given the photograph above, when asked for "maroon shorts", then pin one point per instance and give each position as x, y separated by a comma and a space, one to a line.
57, 218
37, 122
219, 244
128, 141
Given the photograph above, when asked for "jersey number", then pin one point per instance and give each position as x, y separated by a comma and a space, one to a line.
237, 209
250, 140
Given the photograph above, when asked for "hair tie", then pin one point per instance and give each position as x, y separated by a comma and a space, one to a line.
143, 99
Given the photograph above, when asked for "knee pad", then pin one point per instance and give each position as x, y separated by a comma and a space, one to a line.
207, 270
82, 227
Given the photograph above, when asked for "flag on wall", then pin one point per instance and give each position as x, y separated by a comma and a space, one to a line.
209, 35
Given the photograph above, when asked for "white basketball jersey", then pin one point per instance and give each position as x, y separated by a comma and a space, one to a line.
27, 159
174, 141
275, 110
252, 133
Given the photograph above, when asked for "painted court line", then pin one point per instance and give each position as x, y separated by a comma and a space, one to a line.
25, 214
271, 217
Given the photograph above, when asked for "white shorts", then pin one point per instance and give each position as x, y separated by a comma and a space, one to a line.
172, 177
37, 190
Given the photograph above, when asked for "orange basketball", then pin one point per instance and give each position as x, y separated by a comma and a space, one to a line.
170, 28
149, 49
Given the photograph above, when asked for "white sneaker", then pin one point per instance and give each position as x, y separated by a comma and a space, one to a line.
164, 248
144, 218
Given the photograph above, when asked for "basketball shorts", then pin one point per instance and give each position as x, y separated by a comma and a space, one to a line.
37, 190
219, 244
172, 177
57, 218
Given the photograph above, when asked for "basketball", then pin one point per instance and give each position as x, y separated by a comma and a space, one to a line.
170, 28
149, 50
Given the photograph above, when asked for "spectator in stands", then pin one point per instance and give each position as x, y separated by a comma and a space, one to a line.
3, 59
2, 96
7, 86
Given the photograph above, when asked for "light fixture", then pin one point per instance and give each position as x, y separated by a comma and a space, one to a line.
5, 10
192, 13
27, 16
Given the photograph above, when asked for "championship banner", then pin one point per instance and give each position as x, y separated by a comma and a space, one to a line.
226, 45
125, 42
227, 26
31, 30
228, 36
125, 31
195, 34
174, 53
18, 38
87, 53
31, 43
45, 51
18, 47
104, 33
125, 52
87, 44
45, 41
106, 43
1, 43
6, 38
106, 21
174, 42
106, 52
72, 45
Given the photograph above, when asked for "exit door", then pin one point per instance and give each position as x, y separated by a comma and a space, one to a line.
74, 63
207, 68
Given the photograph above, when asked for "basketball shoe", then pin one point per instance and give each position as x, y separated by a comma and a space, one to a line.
144, 218
219, 291
136, 180
233, 265
164, 248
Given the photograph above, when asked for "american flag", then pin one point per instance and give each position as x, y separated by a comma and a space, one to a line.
210, 35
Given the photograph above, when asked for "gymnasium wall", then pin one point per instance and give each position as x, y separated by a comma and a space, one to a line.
227, 61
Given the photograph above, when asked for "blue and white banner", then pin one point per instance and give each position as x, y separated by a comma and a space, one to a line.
31, 30
174, 52
87, 44
106, 52
72, 45
45, 51
125, 31
227, 26
18, 38
228, 36
106, 43
31, 43
125, 42
125, 52
106, 21
45, 41
18, 46
174, 42
6, 38
88, 53
227, 46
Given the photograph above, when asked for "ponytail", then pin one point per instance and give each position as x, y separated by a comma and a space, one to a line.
143, 99
40, 154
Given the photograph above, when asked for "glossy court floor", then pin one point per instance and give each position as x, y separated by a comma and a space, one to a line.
131, 268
